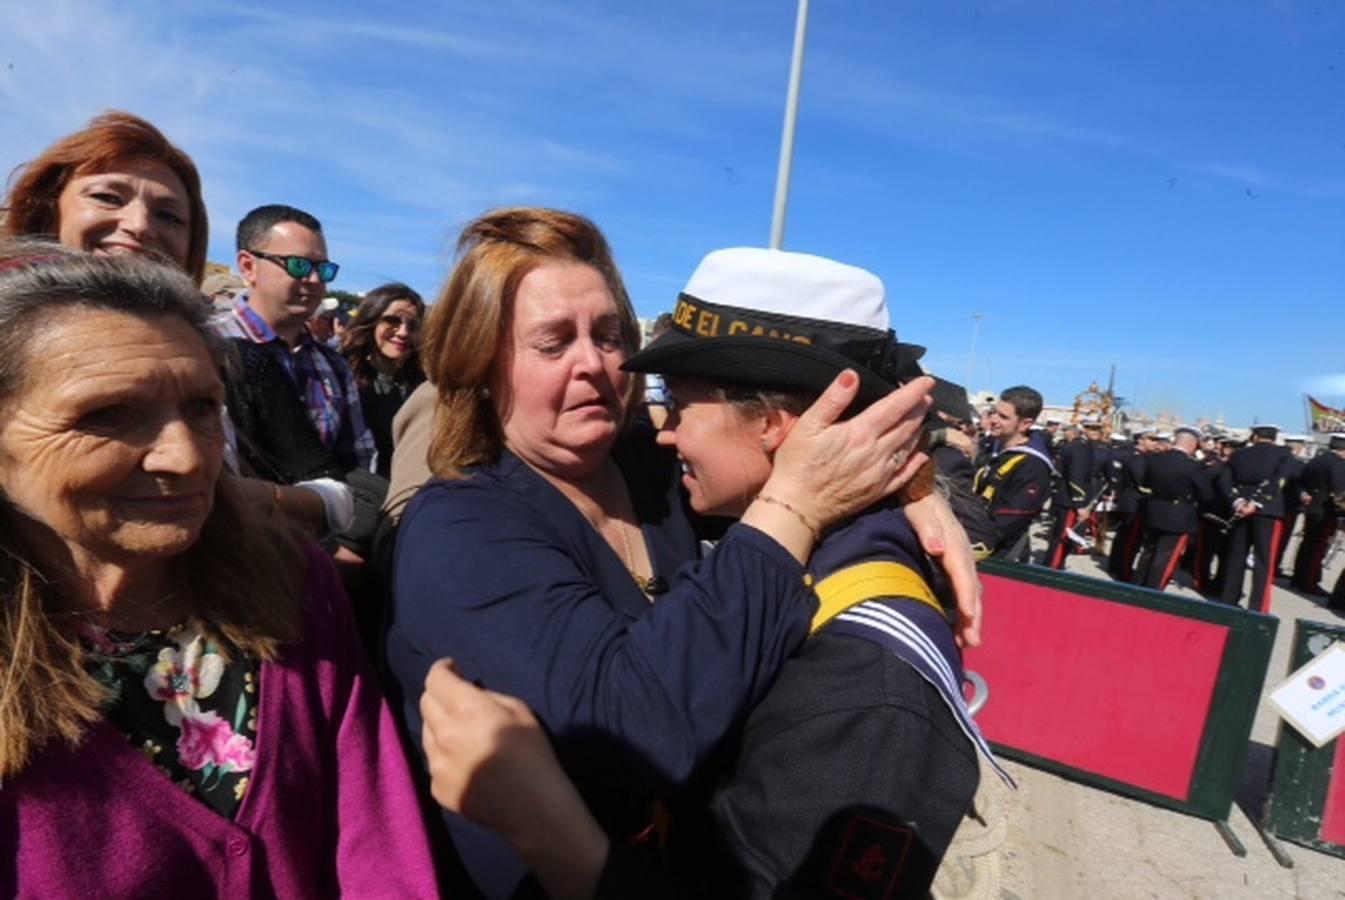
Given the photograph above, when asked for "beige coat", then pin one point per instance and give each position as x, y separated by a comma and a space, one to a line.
411, 430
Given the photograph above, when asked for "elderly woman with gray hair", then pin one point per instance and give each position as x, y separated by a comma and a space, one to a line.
160, 642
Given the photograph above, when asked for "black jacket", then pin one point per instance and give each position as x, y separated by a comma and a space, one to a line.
1324, 480
276, 438
1014, 486
1176, 486
1074, 488
1258, 474
849, 738
1125, 469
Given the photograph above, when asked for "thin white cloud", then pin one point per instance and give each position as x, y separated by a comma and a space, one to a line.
1248, 175
323, 29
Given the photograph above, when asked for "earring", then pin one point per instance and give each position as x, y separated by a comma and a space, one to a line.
765, 446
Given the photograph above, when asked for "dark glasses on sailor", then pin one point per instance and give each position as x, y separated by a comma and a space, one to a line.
395, 322
300, 267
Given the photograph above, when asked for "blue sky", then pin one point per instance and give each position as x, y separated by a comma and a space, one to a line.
1159, 185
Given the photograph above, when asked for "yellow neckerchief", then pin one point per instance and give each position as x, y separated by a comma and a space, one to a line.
987, 491
853, 585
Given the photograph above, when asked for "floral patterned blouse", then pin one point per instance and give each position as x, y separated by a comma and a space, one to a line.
190, 713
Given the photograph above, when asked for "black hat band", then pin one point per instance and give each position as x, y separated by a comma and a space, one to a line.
874, 349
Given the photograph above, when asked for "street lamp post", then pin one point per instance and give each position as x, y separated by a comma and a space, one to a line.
787, 139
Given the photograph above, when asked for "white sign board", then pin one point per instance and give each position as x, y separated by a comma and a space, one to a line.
1313, 698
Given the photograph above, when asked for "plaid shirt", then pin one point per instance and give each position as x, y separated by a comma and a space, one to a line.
322, 378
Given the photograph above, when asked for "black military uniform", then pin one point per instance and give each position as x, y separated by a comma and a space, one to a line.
1324, 482
1176, 485
1127, 469
1014, 485
1100, 491
1073, 492
1255, 475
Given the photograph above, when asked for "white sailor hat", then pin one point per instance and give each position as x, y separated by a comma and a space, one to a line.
779, 320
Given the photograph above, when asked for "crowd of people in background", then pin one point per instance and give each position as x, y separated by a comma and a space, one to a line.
423, 599
1158, 504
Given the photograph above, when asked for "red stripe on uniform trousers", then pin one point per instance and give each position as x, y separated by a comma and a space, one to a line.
1172, 563
1058, 558
1270, 570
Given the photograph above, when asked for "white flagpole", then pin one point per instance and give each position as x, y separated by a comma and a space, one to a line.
787, 139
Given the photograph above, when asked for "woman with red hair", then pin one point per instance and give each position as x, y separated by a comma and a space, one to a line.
117, 186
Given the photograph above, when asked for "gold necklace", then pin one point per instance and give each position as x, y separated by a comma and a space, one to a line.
648, 586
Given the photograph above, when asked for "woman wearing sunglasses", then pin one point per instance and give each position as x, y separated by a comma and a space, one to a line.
382, 347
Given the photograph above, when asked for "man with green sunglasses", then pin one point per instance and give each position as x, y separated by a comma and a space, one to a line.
282, 256
300, 267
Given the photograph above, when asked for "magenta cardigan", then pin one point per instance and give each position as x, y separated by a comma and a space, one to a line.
330, 809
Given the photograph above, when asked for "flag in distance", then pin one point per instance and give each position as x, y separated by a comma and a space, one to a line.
1325, 419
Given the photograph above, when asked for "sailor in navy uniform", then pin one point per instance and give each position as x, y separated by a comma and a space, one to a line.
1176, 485
1074, 490
1126, 471
1015, 480
850, 776
1253, 484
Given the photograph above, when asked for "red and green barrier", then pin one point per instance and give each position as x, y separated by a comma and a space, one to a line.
1306, 804
1125, 688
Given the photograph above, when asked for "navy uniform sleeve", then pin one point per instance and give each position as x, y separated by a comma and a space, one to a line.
483, 578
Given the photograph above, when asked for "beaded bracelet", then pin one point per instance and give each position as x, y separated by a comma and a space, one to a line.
776, 501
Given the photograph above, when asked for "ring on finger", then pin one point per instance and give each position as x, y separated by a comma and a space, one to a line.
899, 458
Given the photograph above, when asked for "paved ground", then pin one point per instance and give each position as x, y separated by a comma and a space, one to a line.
1056, 839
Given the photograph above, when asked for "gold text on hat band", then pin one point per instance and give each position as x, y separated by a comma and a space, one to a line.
704, 323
